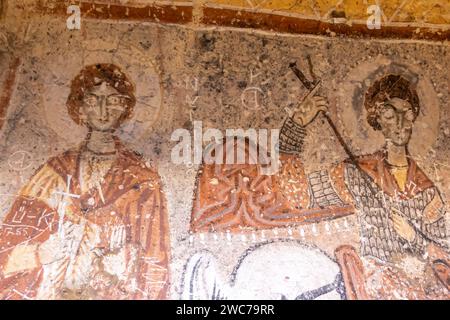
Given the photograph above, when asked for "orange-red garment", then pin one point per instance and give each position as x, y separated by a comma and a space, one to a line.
377, 280
129, 199
235, 196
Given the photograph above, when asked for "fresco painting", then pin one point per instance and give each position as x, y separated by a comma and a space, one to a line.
355, 121
400, 211
92, 221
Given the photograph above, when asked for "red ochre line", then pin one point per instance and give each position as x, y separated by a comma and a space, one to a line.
297, 25
306, 217
157, 13
235, 17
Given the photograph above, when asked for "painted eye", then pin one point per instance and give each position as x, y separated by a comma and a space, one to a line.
388, 113
117, 107
90, 100
113, 100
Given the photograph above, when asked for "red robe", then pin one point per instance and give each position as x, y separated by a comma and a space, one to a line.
129, 199
236, 197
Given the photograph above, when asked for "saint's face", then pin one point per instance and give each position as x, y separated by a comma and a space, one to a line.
103, 107
396, 120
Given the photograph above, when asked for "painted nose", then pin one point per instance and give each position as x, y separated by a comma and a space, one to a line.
400, 121
103, 110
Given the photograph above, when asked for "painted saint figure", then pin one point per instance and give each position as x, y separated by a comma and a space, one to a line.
91, 222
401, 212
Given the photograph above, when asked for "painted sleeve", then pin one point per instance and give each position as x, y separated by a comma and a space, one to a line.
151, 235
431, 228
292, 136
30, 221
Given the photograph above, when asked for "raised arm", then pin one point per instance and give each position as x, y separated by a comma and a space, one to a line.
293, 131
233, 197
325, 188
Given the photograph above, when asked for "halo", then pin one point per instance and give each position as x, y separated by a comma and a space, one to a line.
131, 60
352, 115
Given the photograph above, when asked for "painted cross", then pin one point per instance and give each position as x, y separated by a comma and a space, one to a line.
63, 203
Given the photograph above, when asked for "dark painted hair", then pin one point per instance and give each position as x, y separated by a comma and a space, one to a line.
94, 75
390, 86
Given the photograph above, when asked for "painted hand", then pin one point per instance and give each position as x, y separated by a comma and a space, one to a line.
309, 109
402, 226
